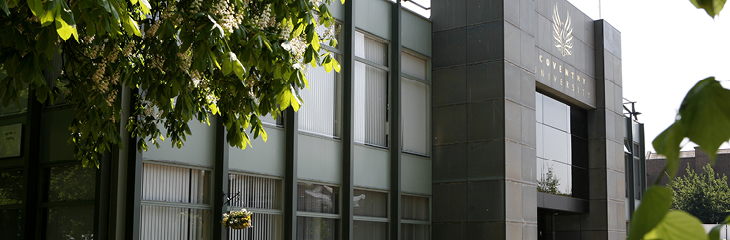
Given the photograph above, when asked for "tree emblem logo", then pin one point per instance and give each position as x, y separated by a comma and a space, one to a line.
563, 33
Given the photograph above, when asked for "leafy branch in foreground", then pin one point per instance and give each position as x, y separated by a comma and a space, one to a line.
703, 118
239, 59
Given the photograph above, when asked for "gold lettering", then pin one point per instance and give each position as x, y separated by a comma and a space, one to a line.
555, 79
572, 74
542, 73
561, 82
547, 61
554, 65
540, 57
573, 85
578, 78
567, 74
560, 69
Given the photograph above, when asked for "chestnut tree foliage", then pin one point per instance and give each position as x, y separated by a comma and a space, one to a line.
186, 59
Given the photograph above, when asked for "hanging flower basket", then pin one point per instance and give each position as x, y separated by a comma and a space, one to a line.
237, 219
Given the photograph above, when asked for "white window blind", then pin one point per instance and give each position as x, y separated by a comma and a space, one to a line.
175, 184
413, 66
173, 223
319, 112
415, 112
370, 104
176, 203
255, 192
370, 91
265, 227
415, 105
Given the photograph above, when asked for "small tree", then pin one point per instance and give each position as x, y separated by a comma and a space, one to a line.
705, 195
549, 183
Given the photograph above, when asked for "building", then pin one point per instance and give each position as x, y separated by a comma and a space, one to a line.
694, 159
440, 128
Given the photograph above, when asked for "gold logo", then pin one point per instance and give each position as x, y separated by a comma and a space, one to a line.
563, 33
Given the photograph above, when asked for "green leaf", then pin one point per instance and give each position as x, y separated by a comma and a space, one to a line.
36, 6
213, 109
130, 26
287, 99
239, 69
705, 112
712, 7
145, 5
47, 18
678, 225
64, 30
226, 66
4, 6
652, 210
668, 144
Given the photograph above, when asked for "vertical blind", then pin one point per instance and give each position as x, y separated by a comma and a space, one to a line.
265, 227
175, 184
318, 198
173, 223
371, 91
318, 114
414, 208
255, 192
164, 187
370, 204
415, 106
313, 228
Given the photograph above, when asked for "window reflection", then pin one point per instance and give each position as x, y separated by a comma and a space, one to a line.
562, 148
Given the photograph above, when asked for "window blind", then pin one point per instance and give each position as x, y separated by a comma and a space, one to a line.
370, 104
318, 114
416, 114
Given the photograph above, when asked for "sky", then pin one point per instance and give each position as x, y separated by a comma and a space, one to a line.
667, 47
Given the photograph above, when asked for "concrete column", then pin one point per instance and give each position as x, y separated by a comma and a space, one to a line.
606, 219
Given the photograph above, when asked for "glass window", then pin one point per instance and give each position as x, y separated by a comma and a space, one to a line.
370, 91
11, 188
175, 184
318, 198
320, 114
175, 202
415, 105
10, 223
374, 206
562, 148
414, 208
370, 203
366, 230
70, 183
315, 228
72, 222
167, 222
255, 193
414, 231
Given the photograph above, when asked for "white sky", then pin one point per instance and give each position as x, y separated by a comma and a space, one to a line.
667, 46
